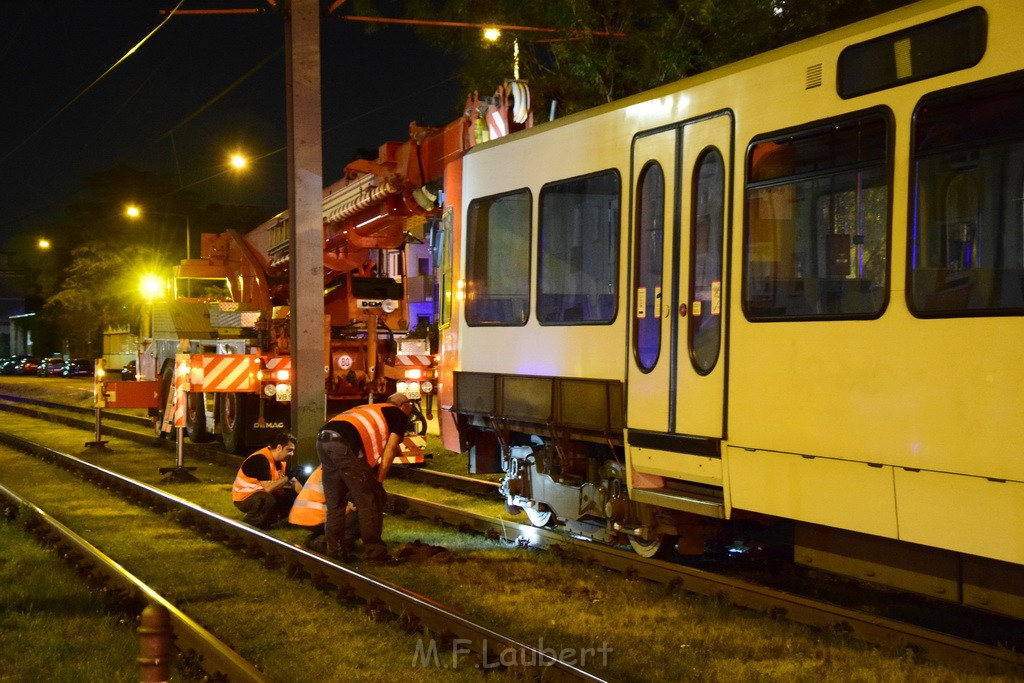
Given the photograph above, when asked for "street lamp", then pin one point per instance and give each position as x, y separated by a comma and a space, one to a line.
134, 212
151, 287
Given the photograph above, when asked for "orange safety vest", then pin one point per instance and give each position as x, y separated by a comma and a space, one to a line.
245, 485
310, 507
373, 431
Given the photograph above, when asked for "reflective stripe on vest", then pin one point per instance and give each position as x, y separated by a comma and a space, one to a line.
310, 508
245, 485
372, 427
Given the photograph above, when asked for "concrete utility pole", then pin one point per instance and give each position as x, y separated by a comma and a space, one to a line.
305, 228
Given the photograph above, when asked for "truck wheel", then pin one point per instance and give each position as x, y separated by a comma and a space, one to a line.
234, 416
166, 387
195, 418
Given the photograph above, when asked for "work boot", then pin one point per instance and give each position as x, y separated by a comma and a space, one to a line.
342, 556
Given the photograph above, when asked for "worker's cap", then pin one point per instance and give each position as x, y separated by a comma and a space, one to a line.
398, 398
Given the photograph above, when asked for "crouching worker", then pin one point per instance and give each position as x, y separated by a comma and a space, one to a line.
262, 489
310, 512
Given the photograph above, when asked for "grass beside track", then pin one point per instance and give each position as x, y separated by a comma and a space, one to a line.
45, 608
628, 630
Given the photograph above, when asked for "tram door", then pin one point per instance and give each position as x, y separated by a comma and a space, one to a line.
654, 214
676, 380
699, 323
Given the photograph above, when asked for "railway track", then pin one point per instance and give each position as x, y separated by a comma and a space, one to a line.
195, 649
140, 430
410, 610
928, 643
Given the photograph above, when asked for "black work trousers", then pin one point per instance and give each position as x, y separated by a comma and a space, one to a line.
347, 475
263, 509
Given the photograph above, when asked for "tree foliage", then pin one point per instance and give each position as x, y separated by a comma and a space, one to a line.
604, 50
100, 289
90, 278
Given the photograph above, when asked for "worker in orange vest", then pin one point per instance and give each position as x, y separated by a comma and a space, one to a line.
310, 511
356, 449
263, 490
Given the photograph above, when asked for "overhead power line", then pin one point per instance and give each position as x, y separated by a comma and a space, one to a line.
89, 87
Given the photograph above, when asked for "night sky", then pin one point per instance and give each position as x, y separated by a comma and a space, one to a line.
198, 89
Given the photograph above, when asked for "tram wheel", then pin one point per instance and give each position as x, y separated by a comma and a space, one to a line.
661, 546
538, 518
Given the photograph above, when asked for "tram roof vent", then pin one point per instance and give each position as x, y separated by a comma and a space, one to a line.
813, 76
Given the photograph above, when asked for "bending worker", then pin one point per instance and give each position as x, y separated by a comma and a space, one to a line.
350, 446
262, 489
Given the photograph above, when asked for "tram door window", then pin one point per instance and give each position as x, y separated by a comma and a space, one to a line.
967, 235
498, 259
817, 222
705, 319
650, 230
577, 280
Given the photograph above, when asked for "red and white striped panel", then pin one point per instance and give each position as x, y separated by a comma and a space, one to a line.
213, 373
414, 361
180, 375
411, 453
276, 363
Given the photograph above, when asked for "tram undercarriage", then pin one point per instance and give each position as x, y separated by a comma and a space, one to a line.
582, 486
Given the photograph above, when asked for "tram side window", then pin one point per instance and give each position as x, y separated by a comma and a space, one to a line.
967, 235
498, 259
817, 223
579, 250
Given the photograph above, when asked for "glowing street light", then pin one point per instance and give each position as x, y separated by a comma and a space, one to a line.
151, 286
492, 34
43, 243
238, 161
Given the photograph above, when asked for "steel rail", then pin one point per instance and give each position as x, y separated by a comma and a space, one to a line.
451, 482
447, 481
495, 649
147, 437
870, 628
196, 646
118, 417
874, 629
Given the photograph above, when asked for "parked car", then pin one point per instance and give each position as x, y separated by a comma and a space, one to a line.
78, 367
27, 366
9, 366
50, 366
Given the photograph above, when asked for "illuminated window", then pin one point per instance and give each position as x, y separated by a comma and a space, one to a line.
816, 239
967, 235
